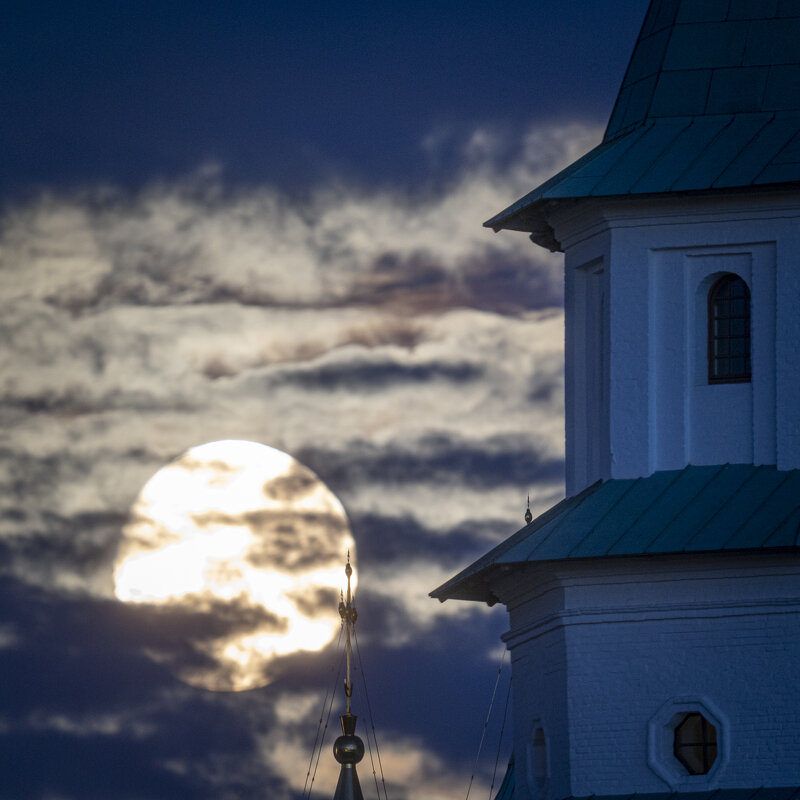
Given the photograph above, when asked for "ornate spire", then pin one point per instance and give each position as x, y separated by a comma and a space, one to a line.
348, 749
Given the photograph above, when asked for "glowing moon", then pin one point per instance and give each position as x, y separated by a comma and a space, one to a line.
245, 544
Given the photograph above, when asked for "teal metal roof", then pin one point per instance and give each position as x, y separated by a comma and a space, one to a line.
710, 101
730, 507
711, 57
506, 790
772, 793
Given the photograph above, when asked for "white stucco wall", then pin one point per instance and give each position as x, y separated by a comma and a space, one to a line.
608, 653
637, 275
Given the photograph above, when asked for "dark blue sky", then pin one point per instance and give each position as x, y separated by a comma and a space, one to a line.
287, 92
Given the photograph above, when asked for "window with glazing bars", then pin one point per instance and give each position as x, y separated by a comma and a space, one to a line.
695, 744
729, 331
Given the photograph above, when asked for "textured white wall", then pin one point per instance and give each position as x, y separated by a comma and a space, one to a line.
587, 363
623, 645
608, 654
646, 266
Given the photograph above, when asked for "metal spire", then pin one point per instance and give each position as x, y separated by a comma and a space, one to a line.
348, 749
528, 514
349, 615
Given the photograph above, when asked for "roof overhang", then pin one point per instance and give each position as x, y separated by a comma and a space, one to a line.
533, 219
714, 154
722, 508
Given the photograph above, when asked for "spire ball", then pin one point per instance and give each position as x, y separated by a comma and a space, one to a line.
348, 748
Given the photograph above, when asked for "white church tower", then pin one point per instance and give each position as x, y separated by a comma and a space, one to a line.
655, 612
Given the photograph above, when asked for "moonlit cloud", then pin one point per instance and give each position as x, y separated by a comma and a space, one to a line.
408, 356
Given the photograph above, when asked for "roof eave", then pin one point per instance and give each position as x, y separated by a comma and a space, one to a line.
531, 219
472, 583
534, 219
473, 587
477, 587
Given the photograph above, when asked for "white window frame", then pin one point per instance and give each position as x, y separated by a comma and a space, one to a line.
661, 738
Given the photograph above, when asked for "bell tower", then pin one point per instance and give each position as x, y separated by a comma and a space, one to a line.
654, 614
694, 185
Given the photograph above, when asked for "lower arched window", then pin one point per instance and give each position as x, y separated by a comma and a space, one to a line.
537, 765
729, 331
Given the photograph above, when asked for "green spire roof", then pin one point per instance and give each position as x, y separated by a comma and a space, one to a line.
712, 57
710, 101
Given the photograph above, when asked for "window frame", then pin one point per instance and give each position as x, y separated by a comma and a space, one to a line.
706, 744
661, 739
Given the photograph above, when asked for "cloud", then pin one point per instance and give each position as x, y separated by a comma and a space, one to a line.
364, 375
198, 241
410, 357
410, 769
78, 689
388, 538
438, 459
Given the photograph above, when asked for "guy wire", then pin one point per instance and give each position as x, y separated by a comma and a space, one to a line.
500, 740
372, 725
320, 738
486, 724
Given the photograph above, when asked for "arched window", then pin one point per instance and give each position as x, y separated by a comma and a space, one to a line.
537, 765
729, 331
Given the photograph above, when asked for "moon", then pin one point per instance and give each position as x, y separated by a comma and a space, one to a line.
243, 548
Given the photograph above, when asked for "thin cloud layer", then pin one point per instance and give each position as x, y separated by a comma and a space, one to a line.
408, 356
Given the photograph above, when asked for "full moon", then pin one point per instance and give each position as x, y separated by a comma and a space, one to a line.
246, 547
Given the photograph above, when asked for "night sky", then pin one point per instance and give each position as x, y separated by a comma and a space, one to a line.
263, 222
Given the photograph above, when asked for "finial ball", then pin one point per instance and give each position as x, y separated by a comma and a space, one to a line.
348, 749
348, 570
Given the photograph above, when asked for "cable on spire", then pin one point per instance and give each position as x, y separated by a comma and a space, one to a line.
486, 723
372, 727
316, 751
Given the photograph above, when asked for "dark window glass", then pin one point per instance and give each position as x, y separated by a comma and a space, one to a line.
695, 744
729, 331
